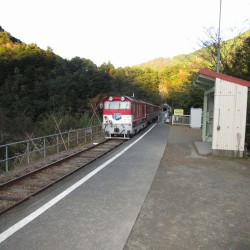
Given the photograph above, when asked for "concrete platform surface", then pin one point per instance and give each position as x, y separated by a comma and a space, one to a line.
195, 202
203, 147
98, 214
160, 194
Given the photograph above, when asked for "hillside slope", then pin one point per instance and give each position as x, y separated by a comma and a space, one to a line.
160, 63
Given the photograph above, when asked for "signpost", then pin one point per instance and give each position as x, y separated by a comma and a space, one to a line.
178, 112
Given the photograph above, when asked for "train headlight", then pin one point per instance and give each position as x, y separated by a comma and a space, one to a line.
111, 98
123, 98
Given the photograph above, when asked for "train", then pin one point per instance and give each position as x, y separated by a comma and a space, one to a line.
125, 116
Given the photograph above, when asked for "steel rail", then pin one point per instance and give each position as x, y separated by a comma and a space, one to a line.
29, 193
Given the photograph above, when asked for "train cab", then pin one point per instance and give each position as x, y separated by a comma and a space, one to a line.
125, 116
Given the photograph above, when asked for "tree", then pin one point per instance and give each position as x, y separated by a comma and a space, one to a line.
240, 63
227, 50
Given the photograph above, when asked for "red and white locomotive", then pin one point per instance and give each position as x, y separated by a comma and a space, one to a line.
125, 116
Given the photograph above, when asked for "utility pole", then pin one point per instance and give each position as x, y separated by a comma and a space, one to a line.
218, 45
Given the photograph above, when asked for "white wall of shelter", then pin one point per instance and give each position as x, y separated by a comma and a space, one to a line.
224, 112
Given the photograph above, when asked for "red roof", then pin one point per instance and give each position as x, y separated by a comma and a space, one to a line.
225, 77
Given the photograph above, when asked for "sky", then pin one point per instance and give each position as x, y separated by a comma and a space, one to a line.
122, 32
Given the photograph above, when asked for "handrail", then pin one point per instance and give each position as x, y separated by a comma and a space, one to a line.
27, 151
181, 119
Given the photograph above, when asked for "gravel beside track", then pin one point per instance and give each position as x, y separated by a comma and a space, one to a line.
19, 171
21, 187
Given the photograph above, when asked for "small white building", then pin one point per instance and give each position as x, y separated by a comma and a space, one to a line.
195, 117
224, 112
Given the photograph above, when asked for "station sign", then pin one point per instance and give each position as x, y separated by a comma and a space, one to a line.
178, 112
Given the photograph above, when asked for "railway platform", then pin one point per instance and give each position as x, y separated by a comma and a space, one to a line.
196, 201
154, 192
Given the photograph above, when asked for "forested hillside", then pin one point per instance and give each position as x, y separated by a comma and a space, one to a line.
176, 74
206, 52
37, 84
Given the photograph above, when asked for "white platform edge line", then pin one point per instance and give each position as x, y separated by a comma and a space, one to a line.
13, 229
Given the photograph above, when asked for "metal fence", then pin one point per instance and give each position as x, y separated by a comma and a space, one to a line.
25, 152
181, 119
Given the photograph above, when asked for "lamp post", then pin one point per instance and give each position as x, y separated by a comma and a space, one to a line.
218, 45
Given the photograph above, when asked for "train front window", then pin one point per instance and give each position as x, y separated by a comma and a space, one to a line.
117, 105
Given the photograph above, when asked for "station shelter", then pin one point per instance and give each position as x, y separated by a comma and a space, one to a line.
224, 112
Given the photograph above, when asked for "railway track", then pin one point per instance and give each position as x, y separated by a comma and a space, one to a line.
16, 191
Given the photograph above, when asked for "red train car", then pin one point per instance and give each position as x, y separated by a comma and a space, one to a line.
125, 116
